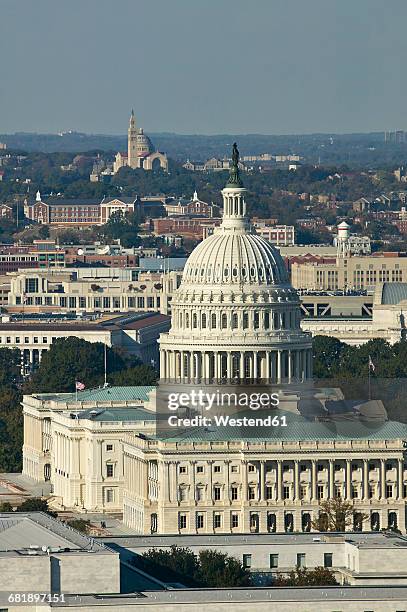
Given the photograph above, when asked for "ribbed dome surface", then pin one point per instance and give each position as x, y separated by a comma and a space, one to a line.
235, 258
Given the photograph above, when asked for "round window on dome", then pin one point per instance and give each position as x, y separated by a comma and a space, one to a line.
226, 272
234, 272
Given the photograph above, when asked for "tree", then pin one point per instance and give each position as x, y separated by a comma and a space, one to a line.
327, 353
301, 576
139, 375
210, 569
218, 570
6, 507
337, 514
10, 367
36, 504
72, 359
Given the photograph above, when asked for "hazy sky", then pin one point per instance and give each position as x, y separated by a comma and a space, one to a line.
203, 66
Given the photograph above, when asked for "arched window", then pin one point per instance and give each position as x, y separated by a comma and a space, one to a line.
288, 522
306, 521
187, 319
194, 321
256, 320
234, 320
375, 521
266, 320
203, 321
245, 320
224, 321
392, 520
276, 321
181, 318
213, 321
271, 522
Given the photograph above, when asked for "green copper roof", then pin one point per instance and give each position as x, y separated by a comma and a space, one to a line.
107, 394
118, 414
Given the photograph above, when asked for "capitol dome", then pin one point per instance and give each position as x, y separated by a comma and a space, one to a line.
235, 314
236, 259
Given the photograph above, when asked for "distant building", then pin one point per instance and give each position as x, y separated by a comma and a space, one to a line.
140, 151
6, 211
279, 235
61, 211
134, 332
194, 206
190, 227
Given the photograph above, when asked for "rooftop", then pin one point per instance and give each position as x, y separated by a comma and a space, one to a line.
103, 394
23, 532
361, 540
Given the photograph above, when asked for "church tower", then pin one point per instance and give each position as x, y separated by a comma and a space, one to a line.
132, 153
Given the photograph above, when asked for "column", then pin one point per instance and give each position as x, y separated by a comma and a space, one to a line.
227, 485
255, 365
400, 475
268, 376
296, 480
382, 479
262, 481
279, 366
314, 495
241, 367
365, 479
229, 366
210, 492
244, 481
331, 479
348, 491
279, 480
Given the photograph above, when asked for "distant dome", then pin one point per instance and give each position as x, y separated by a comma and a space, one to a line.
234, 258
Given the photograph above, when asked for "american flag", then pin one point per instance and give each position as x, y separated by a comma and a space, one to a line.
79, 386
371, 364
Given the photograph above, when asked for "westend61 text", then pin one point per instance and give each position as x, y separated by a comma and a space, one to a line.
227, 421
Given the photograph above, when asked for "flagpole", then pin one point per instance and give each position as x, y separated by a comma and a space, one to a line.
105, 358
368, 382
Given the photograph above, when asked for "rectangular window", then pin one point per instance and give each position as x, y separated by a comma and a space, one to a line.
320, 492
199, 469
355, 492
216, 469
216, 493
199, 521
273, 561
247, 561
303, 492
389, 491
199, 493
110, 470
217, 521
286, 492
109, 447
251, 468
109, 496
182, 494
328, 559
183, 469
182, 521
235, 520
234, 493
269, 492
252, 493
234, 468
300, 560
338, 491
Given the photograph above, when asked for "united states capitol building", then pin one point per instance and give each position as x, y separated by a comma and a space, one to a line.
235, 324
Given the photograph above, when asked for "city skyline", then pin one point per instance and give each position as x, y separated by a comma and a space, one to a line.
182, 67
